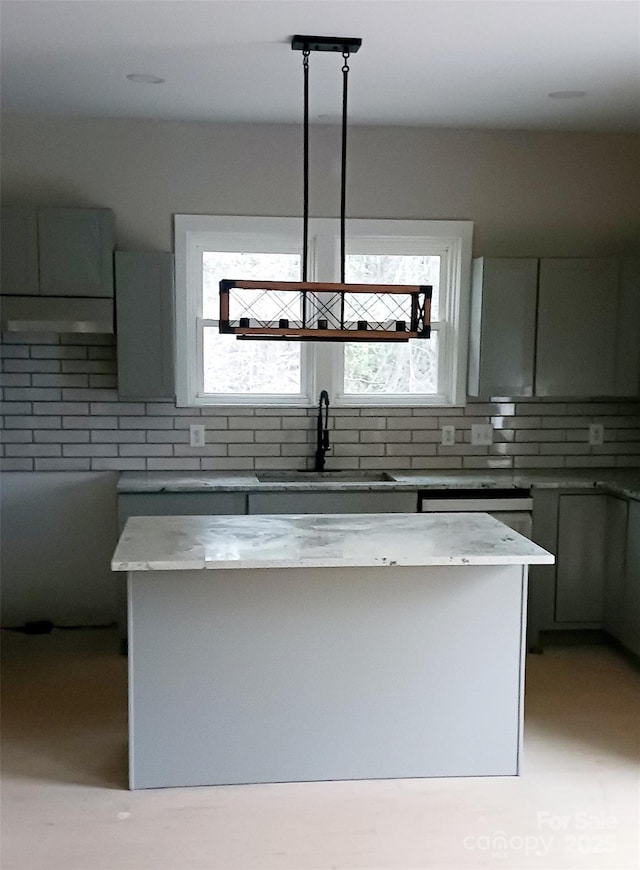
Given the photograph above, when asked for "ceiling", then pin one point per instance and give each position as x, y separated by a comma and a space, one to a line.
453, 63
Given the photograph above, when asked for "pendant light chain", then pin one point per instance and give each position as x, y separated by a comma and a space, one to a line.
323, 310
343, 181
305, 172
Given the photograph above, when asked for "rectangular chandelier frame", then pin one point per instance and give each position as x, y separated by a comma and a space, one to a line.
326, 311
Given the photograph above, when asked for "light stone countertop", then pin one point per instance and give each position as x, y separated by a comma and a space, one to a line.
321, 541
624, 482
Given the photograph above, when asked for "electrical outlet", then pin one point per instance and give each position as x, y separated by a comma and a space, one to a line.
448, 438
196, 435
596, 434
481, 434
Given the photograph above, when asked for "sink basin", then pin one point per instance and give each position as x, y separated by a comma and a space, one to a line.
324, 476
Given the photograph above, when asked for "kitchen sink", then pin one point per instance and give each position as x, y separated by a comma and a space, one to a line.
324, 476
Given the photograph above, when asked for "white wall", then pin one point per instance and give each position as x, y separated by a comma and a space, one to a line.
536, 194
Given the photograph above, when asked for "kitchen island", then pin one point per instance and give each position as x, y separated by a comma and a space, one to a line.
298, 648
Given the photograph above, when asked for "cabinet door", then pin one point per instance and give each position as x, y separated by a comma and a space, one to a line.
582, 522
615, 544
19, 259
577, 327
76, 251
175, 504
332, 502
144, 294
630, 633
503, 325
628, 346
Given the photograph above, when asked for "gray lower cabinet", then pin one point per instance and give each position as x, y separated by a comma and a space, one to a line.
570, 594
629, 629
332, 502
145, 324
581, 558
613, 617
168, 504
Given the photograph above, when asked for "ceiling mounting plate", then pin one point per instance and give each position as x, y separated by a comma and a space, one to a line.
342, 44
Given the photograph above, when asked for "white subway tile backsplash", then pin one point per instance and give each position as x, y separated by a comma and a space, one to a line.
33, 450
56, 351
9, 351
92, 422
61, 436
146, 422
235, 464
32, 394
11, 464
27, 422
88, 366
144, 450
11, 380
91, 450
74, 464
17, 436
59, 381
361, 422
100, 381
84, 394
119, 464
9, 408
207, 422
121, 408
207, 450
380, 436
118, 436
62, 412
41, 366
79, 408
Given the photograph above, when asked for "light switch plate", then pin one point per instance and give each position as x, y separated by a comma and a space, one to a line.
448, 437
596, 434
196, 435
481, 434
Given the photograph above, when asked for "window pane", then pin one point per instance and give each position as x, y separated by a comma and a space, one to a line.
248, 367
402, 269
217, 265
390, 368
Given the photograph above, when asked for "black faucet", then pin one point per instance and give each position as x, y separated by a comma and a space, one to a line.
322, 444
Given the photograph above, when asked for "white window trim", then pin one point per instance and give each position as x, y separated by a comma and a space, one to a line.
320, 366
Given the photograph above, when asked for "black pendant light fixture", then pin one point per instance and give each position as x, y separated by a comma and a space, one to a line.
316, 311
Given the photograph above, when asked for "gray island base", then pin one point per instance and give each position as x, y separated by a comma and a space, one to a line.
301, 648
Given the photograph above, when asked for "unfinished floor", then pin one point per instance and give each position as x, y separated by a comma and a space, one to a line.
66, 805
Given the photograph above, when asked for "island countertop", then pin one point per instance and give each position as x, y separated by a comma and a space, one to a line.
321, 541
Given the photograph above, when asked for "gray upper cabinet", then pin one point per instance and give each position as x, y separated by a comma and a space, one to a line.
565, 327
57, 252
503, 326
145, 317
19, 261
76, 251
577, 327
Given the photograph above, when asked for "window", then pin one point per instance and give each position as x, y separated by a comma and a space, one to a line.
215, 369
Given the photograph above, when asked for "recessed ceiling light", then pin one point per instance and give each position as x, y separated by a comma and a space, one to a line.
567, 95
144, 79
